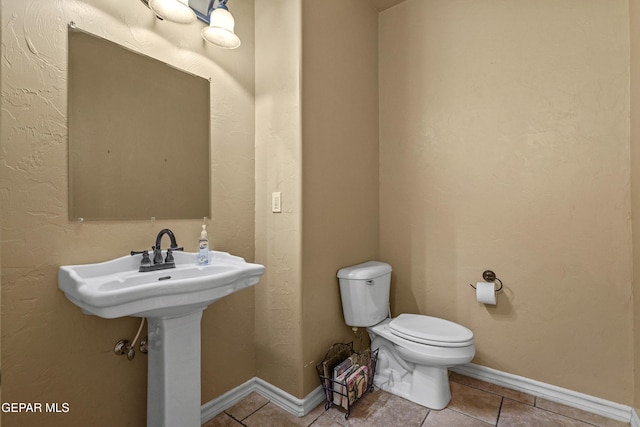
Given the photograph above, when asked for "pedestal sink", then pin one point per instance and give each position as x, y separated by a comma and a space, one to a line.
172, 300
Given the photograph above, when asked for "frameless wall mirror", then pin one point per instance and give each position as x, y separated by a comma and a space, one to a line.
138, 135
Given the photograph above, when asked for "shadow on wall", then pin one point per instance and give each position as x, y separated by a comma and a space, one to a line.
503, 310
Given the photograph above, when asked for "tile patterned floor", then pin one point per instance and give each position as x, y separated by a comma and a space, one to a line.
474, 403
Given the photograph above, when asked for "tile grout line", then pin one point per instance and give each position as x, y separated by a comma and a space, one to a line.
241, 421
495, 393
237, 420
424, 420
499, 410
591, 423
535, 405
478, 388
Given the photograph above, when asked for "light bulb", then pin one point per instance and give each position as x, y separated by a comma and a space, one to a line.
220, 30
173, 10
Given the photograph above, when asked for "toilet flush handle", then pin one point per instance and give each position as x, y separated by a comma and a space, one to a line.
370, 282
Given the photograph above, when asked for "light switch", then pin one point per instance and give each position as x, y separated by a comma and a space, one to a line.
276, 202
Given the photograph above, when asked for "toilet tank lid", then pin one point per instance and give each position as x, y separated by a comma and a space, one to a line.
365, 271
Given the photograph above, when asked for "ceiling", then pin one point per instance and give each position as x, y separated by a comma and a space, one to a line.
384, 4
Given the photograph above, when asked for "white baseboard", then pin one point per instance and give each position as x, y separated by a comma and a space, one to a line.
295, 406
635, 420
550, 392
215, 406
301, 407
288, 402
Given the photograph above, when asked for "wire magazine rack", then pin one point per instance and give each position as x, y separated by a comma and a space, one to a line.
346, 375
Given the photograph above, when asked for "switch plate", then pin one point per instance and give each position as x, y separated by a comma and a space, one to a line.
276, 202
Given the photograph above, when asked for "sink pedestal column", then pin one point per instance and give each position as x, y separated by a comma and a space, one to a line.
173, 384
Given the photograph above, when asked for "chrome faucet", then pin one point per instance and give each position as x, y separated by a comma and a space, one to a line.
158, 262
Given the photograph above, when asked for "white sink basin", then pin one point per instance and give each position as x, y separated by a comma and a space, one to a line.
116, 288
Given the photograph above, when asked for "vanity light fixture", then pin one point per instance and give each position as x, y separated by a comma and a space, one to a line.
220, 23
173, 10
219, 32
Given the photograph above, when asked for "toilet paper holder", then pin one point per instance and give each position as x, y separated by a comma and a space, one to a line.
489, 276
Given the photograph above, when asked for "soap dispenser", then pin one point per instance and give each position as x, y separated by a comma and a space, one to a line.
203, 245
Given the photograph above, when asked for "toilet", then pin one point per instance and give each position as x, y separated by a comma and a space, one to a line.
414, 350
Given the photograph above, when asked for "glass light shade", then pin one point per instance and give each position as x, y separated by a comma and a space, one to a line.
220, 30
173, 10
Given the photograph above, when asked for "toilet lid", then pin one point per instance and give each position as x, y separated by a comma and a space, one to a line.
431, 331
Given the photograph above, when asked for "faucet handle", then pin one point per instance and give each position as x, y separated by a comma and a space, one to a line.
145, 262
181, 248
145, 259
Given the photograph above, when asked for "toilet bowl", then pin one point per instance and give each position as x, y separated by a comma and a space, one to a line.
414, 350
415, 370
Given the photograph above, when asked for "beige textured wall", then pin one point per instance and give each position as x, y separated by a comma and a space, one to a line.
504, 134
504, 144
634, 16
278, 168
340, 164
51, 351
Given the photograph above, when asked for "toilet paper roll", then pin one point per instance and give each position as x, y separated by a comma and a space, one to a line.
486, 292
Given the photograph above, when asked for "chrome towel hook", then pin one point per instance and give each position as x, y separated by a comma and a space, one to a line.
490, 276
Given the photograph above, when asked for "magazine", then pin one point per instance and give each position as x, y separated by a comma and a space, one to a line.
336, 354
340, 391
356, 386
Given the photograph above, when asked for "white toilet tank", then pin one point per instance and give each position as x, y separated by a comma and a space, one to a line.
364, 289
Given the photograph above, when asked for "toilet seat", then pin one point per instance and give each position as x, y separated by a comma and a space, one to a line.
430, 331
